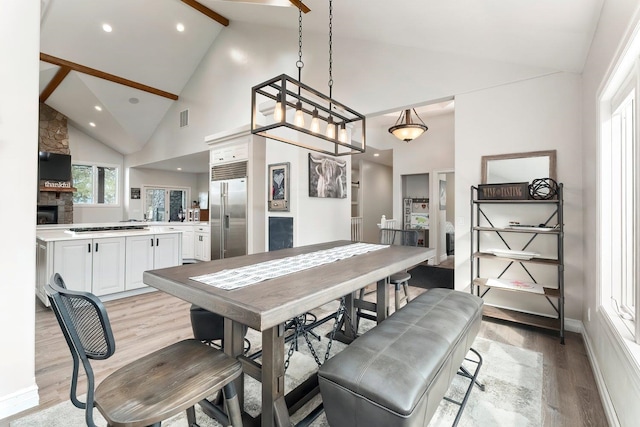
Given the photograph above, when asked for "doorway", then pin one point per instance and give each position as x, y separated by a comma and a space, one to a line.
444, 215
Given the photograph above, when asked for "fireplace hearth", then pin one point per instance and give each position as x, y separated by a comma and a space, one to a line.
47, 215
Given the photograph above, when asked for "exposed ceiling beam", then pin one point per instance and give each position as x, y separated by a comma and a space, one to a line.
54, 83
303, 7
105, 76
206, 11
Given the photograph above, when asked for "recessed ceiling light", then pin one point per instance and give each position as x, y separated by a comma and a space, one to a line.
133, 100
97, 107
92, 124
179, 169
107, 28
376, 154
180, 27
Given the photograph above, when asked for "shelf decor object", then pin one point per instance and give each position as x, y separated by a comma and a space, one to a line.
507, 191
543, 189
343, 131
501, 261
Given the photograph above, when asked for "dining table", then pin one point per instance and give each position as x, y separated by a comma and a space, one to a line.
267, 305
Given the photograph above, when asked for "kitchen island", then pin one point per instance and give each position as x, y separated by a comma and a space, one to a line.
105, 259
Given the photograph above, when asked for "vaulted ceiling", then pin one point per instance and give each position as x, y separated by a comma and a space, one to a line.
135, 72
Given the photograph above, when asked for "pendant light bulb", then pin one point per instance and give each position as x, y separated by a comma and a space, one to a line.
298, 120
343, 136
277, 113
331, 128
315, 122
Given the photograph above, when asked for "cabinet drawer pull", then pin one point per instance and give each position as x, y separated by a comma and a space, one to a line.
157, 242
152, 242
89, 247
96, 247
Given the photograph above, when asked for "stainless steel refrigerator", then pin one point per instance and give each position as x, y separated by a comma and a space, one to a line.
228, 210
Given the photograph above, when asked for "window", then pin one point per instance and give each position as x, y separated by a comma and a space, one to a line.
165, 204
95, 184
620, 206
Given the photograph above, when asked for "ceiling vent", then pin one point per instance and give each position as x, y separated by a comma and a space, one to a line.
184, 118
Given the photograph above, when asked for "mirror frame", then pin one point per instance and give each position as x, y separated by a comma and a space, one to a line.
548, 153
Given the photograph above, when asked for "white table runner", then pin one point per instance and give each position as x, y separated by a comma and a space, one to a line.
251, 274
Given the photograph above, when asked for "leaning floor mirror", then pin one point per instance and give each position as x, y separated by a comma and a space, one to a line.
519, 167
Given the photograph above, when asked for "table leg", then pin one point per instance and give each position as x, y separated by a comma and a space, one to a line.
274, 408
382, 299
234, 347
349, 316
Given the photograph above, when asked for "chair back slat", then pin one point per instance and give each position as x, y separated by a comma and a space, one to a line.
85, 319
390, 236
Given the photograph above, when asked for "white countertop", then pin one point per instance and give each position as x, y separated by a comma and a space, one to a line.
57, 232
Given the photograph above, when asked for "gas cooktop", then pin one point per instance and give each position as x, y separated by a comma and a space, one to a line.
107, 228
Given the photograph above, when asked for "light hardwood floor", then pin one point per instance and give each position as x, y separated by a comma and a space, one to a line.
147, 322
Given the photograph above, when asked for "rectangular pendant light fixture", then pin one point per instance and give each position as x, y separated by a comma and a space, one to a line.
306, 118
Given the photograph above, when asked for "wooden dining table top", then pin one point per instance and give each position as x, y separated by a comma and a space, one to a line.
271, 302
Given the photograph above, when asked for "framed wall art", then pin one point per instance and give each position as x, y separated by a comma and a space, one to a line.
279, 187
327, 177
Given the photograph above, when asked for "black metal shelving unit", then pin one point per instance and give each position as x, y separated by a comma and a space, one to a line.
554, 295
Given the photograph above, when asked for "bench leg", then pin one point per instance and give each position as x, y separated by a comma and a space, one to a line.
473, 377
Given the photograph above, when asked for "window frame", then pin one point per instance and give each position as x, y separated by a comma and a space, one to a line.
94, 172
167, 189
619, 205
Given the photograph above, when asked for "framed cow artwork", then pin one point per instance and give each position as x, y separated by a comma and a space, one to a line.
327, 177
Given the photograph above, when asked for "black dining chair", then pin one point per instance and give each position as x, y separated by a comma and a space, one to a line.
150, 389
399, 280
208, 327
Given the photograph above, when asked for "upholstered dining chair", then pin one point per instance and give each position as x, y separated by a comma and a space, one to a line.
150, 389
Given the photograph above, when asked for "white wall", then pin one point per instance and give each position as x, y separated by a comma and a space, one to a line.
620, 373
87, 149
315, 220
19, 21
140, 177
218, 94
536, 114
376, 190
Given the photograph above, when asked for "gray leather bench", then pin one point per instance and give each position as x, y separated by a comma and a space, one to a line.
397, 373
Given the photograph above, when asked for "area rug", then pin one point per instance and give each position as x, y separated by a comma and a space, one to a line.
512, 377
428, 277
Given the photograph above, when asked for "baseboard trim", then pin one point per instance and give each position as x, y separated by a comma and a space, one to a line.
573, 325
607, 404
19, 401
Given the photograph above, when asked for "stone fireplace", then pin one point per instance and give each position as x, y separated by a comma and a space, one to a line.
54, 204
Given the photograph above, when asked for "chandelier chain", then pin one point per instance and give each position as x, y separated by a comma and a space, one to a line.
299, 64
330, 44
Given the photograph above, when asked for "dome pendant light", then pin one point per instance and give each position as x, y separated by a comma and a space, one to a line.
406, 129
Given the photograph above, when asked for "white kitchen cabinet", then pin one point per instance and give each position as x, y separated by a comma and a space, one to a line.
167, 250
231, 153
187, 239
108, 265
202, 244
111, 266
148, 253
93, 265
